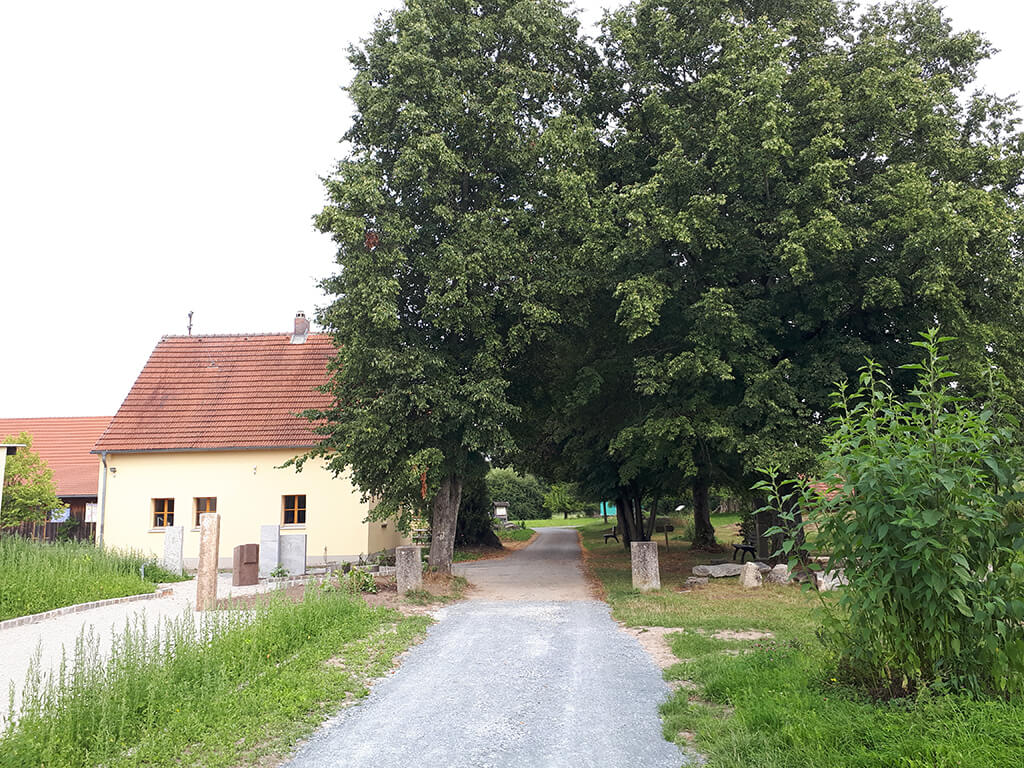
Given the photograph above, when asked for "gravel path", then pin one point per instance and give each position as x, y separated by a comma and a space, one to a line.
504, 681
19, 644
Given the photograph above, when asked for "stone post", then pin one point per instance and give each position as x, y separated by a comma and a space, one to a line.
174, 547
408, 568
644, 555
293, 554
270, 549
209, 557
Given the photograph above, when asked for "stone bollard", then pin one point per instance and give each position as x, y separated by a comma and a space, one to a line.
209, 557
174, 548
644, 555
408, 568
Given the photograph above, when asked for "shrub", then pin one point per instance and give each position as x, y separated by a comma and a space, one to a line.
524, 494
923, 519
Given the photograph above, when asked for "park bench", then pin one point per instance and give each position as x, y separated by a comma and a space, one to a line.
745, 547
661, 526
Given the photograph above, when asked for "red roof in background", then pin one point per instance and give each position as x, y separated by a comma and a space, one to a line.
206, 392
65, 444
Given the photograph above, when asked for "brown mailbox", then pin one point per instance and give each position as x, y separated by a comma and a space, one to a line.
245, 568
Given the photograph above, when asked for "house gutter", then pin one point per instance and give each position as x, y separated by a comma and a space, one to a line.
103, 500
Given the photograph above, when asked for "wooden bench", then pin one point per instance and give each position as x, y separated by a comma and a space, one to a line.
612, 534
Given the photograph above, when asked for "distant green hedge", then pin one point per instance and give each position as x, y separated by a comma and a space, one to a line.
524, 494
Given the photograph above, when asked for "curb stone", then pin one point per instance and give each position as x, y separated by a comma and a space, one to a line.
34, 618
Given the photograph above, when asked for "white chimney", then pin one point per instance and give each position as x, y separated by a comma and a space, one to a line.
301, 328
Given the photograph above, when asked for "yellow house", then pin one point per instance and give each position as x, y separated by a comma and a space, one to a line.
206, 428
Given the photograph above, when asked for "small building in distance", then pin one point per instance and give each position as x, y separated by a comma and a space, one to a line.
207, 427
64, 443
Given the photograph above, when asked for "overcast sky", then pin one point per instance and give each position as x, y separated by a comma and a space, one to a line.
157, 158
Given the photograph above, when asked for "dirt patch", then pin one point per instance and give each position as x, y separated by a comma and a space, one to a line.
747, 634
596, 587
654, 640
490, 553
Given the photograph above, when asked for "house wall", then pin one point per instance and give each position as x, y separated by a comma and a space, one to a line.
248, 486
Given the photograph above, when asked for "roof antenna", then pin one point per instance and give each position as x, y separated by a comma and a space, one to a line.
190, 322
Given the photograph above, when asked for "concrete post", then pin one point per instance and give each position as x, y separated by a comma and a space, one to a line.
209, 556
644, 555
408, 568
174, 546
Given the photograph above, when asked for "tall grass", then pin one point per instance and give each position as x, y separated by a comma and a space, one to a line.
197, 694
37, 577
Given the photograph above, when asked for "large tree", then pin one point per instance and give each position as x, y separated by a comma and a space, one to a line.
464, 159
790, 189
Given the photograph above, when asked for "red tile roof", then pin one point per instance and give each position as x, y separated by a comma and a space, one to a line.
210, 392
65, 444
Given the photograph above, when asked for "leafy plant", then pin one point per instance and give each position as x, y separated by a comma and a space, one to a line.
279, 572
918, 506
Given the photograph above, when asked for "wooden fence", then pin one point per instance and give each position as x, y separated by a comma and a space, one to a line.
52, 531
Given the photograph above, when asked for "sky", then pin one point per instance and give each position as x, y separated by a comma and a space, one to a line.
162, 158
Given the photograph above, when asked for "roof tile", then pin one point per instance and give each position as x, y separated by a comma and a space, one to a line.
210, 392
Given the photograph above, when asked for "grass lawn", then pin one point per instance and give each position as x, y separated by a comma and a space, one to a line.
242, 690
39, 577
770, 701
511, 538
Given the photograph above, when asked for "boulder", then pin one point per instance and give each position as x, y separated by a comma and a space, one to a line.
718, 571
830, 580
697, 581
778, 575
750, 576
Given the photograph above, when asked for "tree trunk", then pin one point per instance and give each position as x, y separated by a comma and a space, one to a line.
445, 516
704, 531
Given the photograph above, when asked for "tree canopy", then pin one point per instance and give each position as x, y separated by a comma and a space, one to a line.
640, 265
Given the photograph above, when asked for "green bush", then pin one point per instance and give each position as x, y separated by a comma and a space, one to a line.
923, 520
475, 512
524, 494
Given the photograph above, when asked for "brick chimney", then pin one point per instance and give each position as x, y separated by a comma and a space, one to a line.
301, 328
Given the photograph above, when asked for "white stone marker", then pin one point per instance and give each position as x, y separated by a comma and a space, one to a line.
270, 549
408, 568
174, 547
750, 576
644, 555
209, 557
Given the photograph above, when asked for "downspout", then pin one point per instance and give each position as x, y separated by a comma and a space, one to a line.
103, 500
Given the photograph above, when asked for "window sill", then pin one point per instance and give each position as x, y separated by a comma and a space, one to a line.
195, 529
293, 526
160, 530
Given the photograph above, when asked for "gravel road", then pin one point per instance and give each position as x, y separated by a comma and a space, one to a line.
507, 681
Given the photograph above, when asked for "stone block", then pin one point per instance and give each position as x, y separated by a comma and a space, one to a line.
174, 549
270, 549
778, 575
293, 554
209, 556
696, 581
245, 565
750, 576
718, 571
644, 556
408, 568
830, 580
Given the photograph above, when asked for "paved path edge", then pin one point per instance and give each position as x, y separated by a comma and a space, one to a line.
34, 618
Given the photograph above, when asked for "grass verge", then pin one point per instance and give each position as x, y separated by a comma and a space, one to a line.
572, 522
39, 577
771, 701
237, 690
